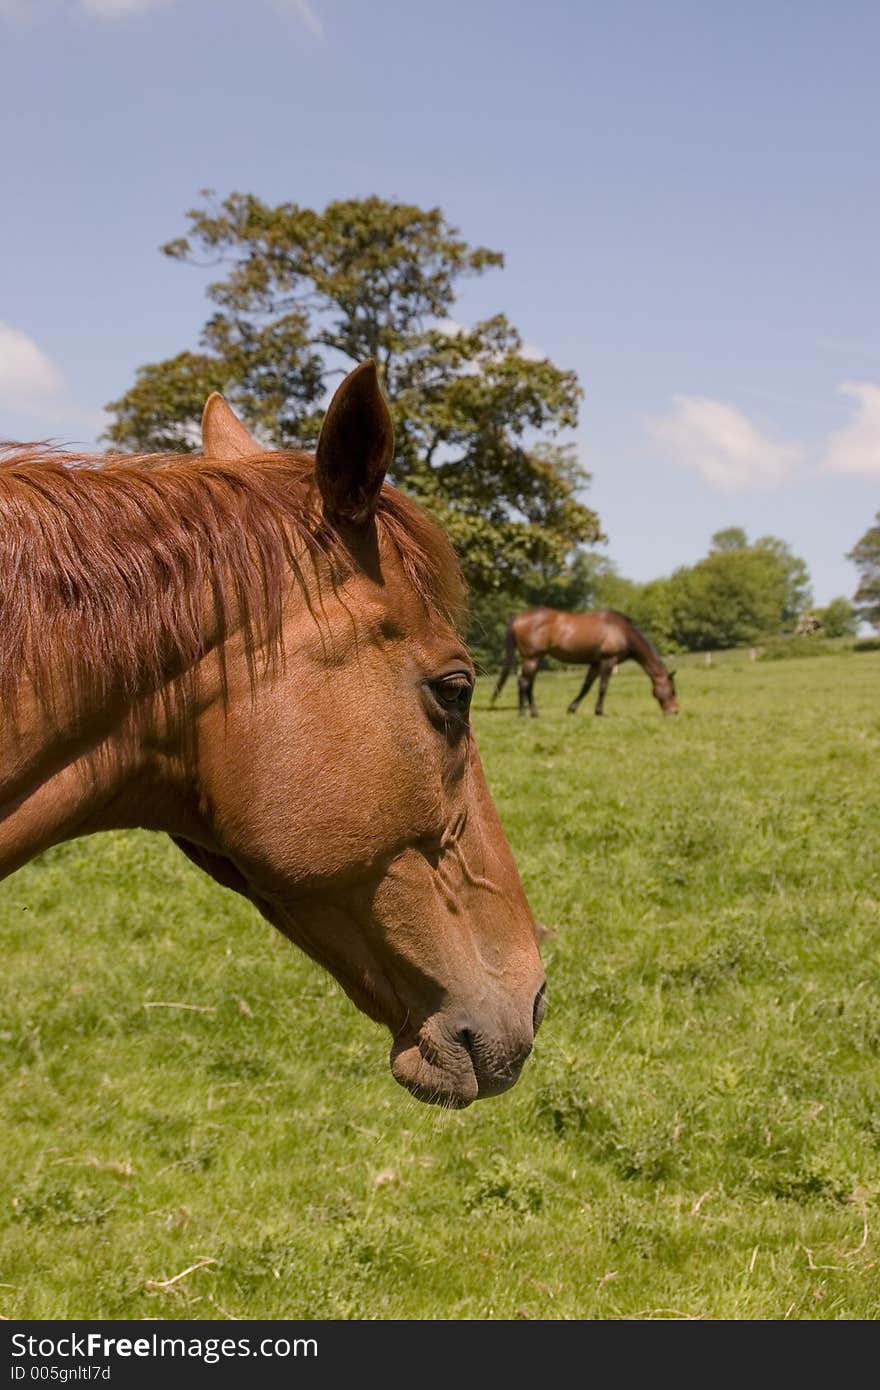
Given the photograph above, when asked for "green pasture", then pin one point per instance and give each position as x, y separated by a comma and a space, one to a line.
697, 1134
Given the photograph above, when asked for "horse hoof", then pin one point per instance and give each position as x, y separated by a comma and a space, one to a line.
572, 709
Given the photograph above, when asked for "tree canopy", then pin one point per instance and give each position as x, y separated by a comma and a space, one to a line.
865, 555
730, 538
304, 295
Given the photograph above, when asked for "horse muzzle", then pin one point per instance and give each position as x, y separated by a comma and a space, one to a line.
451, 1062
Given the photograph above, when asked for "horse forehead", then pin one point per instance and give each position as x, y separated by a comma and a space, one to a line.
388, 609
369, 616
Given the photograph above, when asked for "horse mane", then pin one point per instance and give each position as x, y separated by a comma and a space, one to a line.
113, 567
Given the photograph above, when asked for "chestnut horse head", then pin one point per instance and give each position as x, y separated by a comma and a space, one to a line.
258, 653
663, 690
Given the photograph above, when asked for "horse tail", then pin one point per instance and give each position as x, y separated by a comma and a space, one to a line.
508, 663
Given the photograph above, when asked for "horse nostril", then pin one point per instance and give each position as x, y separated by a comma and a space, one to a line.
466, 1038
540, 1007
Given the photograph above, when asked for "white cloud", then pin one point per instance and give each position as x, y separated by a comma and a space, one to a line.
303, 11
719, 442
856, 448
32, 386
27, 377
117, 9
24, 10
33, 10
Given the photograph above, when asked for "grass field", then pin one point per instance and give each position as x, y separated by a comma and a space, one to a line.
697, 1133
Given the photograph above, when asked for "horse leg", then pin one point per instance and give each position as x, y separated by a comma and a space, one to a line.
522, 691
605, 670
507, 664
498, 684
591, 676
527, 674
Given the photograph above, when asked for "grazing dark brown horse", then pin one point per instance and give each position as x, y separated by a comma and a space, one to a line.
600, 640
258, 653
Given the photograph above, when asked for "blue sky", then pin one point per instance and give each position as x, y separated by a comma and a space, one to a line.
686, 195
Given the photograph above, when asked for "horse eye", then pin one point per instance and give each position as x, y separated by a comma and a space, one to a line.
453, 692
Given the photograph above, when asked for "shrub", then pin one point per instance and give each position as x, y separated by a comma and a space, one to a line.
784, 648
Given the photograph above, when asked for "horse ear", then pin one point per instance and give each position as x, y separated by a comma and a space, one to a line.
223, 434
670, 674
355, 447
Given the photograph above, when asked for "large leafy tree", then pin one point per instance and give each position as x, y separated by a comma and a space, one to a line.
728, 599
739, 592
865, 555
304, 295
797, 589
791, 569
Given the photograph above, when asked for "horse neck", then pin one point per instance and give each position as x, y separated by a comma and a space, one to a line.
640, 650
73, 772
97, 759
82, 751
